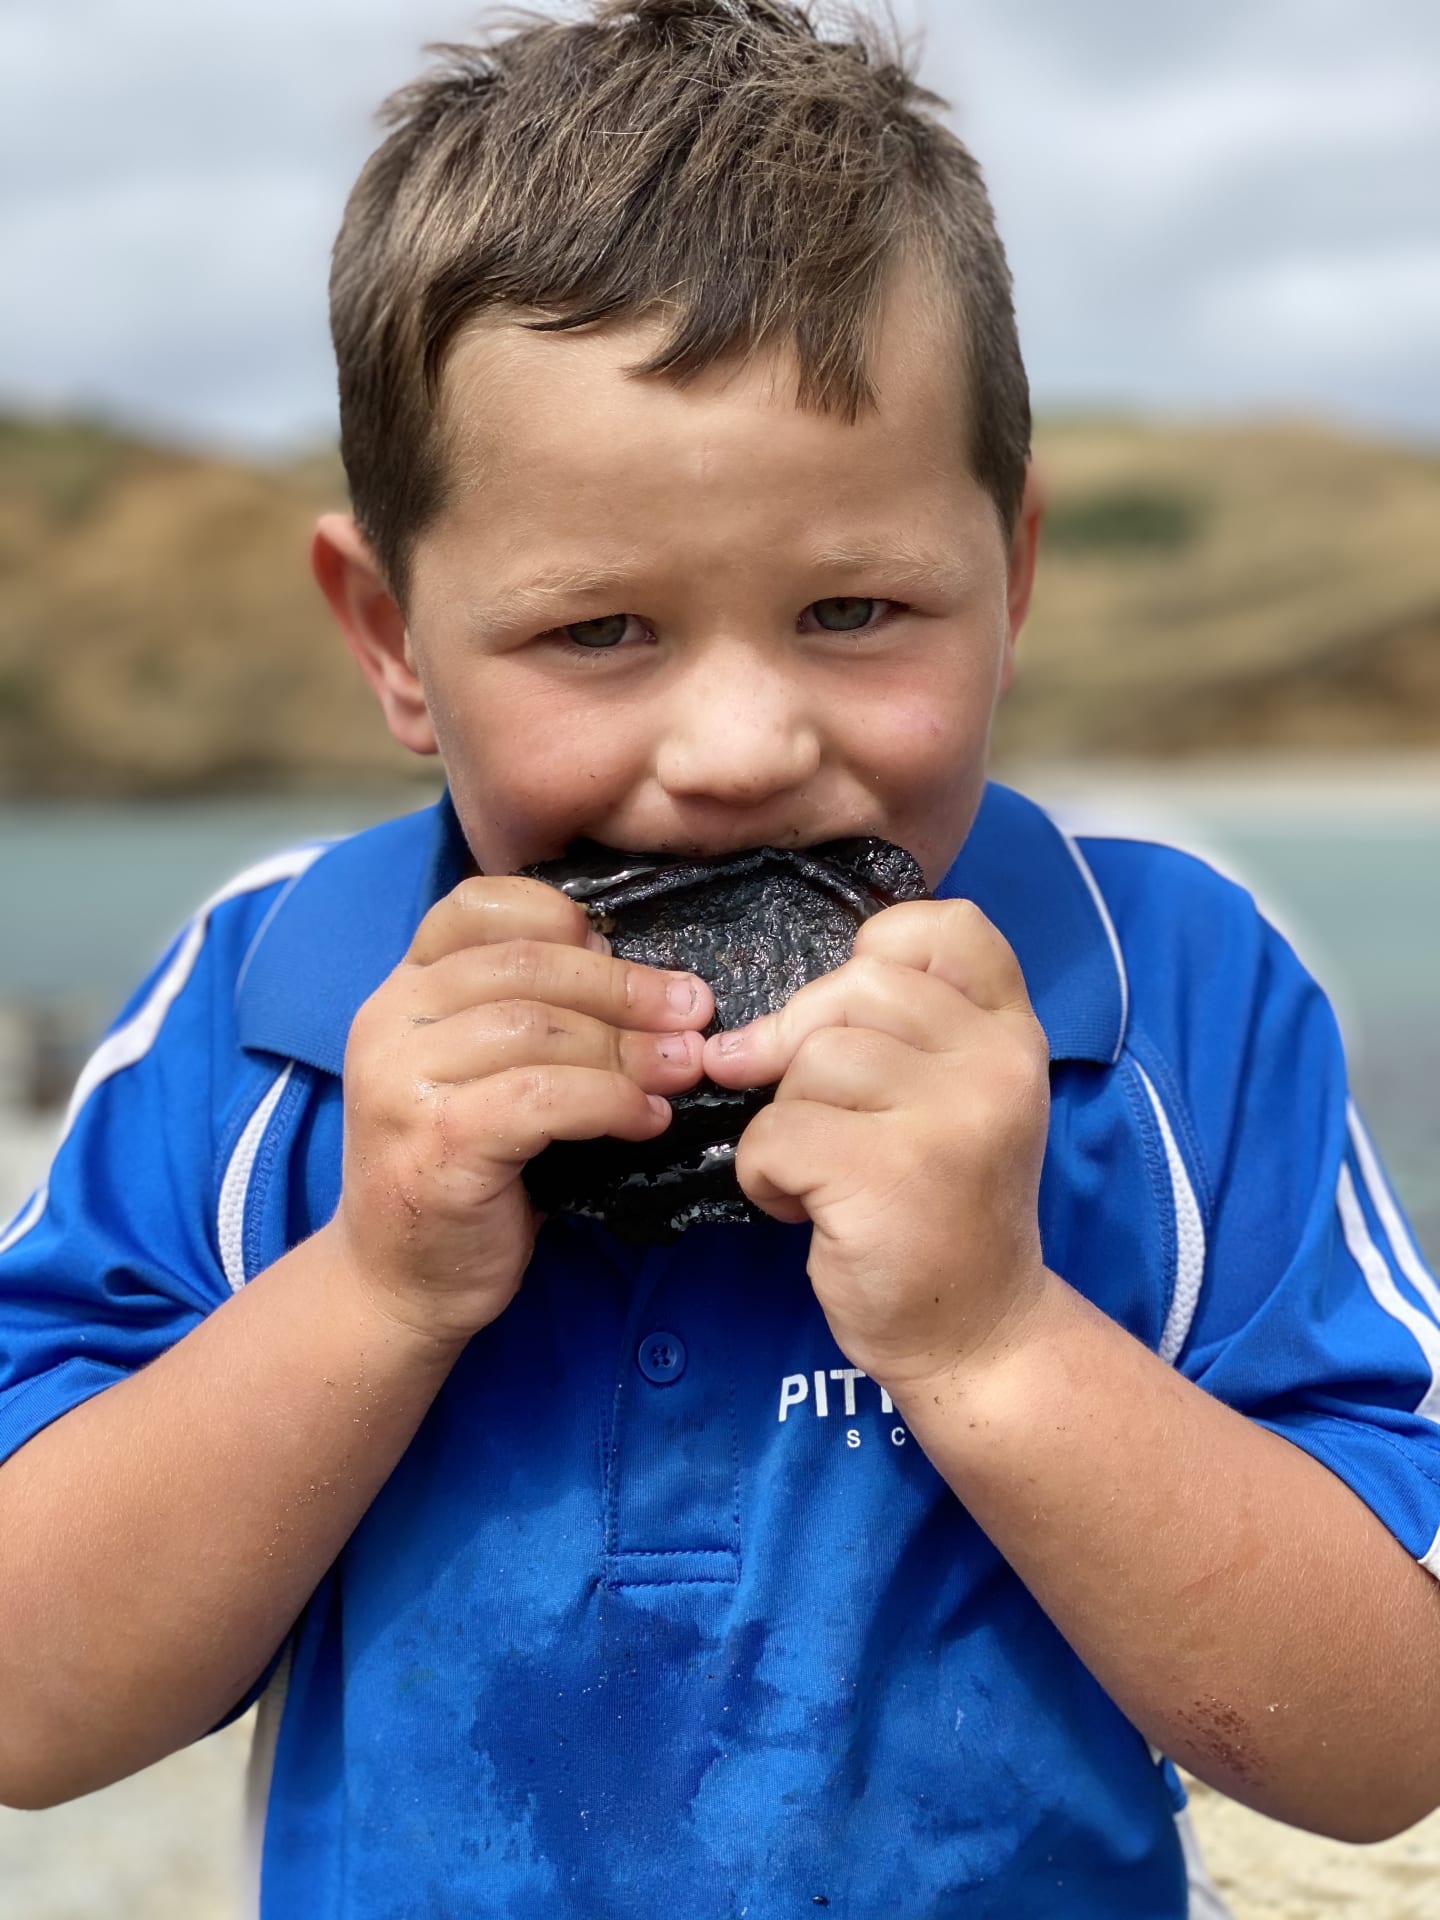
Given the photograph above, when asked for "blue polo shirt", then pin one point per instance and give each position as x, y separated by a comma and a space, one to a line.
663, 1611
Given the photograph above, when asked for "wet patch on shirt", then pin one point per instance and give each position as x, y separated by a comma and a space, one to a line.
596, 1760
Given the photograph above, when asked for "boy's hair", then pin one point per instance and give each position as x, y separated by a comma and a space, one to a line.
715, 162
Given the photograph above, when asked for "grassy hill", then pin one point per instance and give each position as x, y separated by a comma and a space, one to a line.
159, 631
1200, 590
1217, 589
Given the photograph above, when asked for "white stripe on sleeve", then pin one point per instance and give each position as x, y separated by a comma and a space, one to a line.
1381, 1282
235, 1188
1189, 1234
130, 1043
1406, 1253
24, 1220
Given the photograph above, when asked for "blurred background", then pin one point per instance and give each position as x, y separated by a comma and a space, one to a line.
1224, 226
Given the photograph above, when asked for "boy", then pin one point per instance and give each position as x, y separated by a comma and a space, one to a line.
1077, 1401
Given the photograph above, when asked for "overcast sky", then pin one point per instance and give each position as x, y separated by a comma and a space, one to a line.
1210, 205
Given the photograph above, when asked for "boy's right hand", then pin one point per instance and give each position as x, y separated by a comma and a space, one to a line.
502, 1029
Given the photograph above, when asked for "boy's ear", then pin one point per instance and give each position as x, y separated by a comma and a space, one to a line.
373, 625
1024, 550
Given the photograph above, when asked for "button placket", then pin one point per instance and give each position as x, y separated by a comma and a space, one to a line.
674, 1456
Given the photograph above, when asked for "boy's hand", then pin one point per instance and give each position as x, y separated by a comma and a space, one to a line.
505, 1027
909, 1126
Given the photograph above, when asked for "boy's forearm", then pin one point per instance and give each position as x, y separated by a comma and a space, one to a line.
1240, 1603
157, 1543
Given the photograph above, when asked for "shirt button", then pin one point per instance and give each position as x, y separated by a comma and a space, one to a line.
662, 1358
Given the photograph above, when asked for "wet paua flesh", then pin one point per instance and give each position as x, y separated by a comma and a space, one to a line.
756, 926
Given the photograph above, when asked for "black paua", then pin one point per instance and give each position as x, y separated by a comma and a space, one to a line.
757, 926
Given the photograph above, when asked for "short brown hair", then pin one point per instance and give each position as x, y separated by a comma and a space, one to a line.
713, 160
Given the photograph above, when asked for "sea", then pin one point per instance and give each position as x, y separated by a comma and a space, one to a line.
1344, 858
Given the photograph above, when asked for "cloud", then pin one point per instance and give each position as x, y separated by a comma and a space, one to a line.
178, 174
197, 302
1330, 309
1227, 205
1231, 219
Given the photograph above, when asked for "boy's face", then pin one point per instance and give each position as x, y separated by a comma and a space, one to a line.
695, 620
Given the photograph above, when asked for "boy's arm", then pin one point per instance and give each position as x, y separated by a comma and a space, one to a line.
1249, 1611
159, 1538
1251, 1616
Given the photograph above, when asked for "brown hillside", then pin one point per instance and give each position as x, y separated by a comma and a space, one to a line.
1200, 590
1205, 590
159, 631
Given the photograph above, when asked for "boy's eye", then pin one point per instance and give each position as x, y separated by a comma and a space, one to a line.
845, 616
606, 632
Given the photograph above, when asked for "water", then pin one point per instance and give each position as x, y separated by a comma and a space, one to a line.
1350, 869
1362, 905
93, 893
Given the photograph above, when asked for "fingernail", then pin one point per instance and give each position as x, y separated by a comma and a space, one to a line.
732, 1042
659, 1107
684, 995
597, 943
675, 1047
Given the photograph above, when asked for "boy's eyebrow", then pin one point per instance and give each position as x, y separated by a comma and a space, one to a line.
514, 606
898, 566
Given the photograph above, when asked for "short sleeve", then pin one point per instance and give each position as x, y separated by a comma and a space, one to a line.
114, 1259
1316, 1314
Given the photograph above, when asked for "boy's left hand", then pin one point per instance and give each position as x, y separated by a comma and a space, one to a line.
909, 1126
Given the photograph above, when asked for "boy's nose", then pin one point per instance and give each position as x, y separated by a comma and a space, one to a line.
742, 739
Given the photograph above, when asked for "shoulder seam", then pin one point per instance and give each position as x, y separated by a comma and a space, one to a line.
1156, 1065
235, 1185
1187, 1221
1190, 1249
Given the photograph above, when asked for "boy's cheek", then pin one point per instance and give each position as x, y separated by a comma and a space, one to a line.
519, 800
928, 761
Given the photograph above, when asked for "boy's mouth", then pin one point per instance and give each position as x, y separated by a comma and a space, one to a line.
592, 870
717, 849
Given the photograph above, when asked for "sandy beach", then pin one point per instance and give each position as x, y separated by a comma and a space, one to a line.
1270, 1872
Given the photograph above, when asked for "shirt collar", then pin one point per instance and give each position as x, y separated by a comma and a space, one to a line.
1029, 877
347, 922
340, 929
